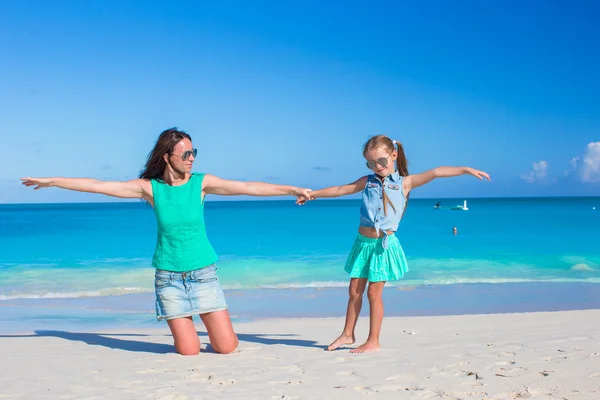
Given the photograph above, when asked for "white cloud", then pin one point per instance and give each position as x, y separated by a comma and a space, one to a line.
585, 167
539, 172
573, 167
590, 164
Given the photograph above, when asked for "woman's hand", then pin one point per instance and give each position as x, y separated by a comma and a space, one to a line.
137, 188
300, 192
37, 182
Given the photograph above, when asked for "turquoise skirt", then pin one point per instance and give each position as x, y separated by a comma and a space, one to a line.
369, 260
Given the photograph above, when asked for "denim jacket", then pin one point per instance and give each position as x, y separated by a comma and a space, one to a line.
371, 211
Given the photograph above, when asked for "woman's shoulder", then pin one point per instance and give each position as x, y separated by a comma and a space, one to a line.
199, 178
142, 182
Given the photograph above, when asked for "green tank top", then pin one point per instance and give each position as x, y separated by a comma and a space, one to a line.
182, 244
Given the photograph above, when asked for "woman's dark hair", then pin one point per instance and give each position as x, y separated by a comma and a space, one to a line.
155, 164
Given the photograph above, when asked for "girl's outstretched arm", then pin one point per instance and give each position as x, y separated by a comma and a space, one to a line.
137, 188
336, 191
414, 181
214, 185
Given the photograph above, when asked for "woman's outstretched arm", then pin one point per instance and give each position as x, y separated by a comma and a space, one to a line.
214, 185
137, 188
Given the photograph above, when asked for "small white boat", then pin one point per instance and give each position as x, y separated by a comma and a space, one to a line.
461, 208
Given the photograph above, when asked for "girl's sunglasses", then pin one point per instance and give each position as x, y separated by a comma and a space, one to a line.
186, 154
383, 161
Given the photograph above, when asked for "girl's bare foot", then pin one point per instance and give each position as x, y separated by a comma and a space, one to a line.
366, 347
342, 340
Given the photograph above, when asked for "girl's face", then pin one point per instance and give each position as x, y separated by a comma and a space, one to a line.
381, 161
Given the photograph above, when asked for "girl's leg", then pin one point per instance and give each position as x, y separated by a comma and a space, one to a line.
220, 331
376, 317
186, 338
355, 292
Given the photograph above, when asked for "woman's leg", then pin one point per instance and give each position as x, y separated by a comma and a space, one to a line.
186, 338
355, 293
220, 331
376, 317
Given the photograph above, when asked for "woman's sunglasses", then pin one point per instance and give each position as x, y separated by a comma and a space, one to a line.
383, 161
186, 154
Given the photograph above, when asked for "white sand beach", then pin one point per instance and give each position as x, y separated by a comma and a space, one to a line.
554, 355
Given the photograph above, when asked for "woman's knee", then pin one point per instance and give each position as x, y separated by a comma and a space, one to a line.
226, 347
188, 349
187, 346
185, 337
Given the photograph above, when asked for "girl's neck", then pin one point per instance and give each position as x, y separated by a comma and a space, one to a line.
382, 177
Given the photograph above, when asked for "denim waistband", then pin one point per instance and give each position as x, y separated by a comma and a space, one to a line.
178, 275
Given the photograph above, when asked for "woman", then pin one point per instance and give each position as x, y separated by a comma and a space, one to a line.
185, 278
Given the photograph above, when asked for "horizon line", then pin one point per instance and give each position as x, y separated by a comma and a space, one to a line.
325, 199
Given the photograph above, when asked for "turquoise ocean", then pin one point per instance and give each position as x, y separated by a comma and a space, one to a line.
100, 253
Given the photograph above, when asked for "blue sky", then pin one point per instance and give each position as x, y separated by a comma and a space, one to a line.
287, 92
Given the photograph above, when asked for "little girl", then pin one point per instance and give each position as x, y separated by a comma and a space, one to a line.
377, 256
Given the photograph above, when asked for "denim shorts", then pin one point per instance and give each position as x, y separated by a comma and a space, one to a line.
181, 294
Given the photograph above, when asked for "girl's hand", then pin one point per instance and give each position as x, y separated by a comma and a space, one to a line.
37, 182
300, 200
477, 174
